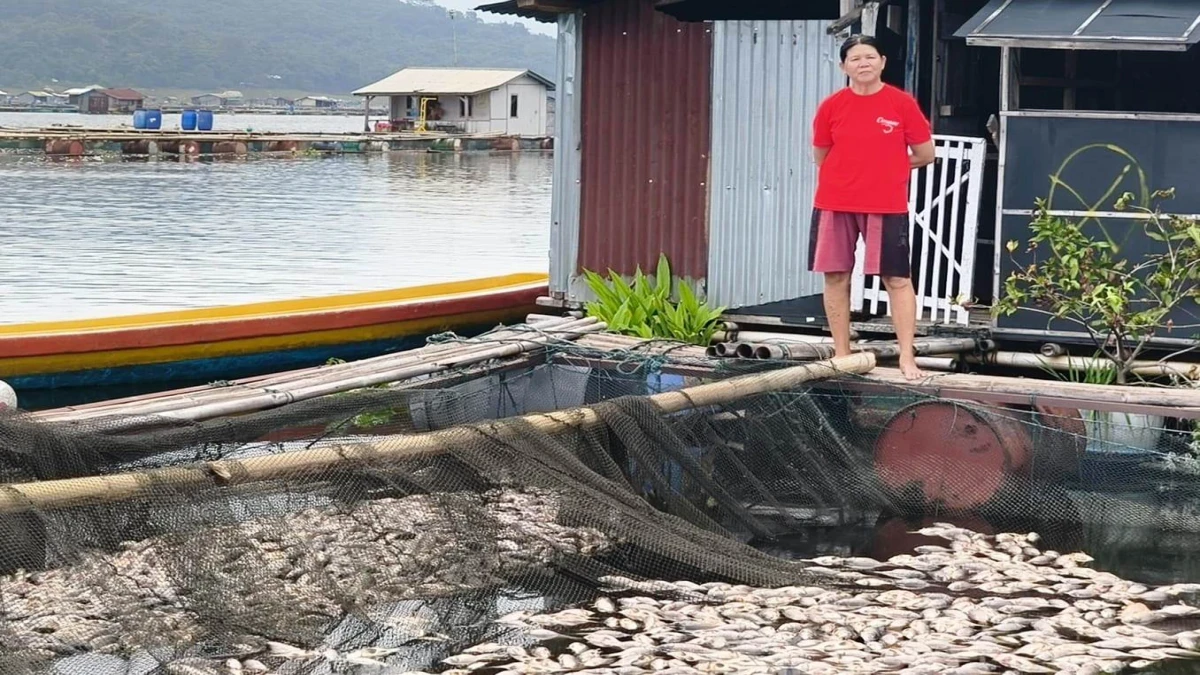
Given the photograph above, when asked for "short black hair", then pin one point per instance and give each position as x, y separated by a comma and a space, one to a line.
855, 40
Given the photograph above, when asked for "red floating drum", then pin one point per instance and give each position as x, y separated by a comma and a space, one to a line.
957, 455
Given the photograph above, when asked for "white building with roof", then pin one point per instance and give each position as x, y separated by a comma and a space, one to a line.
467, 100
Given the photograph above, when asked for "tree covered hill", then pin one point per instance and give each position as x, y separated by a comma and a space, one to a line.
329, 46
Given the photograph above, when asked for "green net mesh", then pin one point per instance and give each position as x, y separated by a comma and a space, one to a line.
833, 527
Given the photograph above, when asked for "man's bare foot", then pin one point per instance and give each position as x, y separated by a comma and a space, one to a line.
908, 366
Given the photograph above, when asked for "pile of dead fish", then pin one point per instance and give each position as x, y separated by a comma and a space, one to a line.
291, 576
980, 605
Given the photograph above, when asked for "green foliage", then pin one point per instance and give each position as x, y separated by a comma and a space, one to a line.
644, 308
1082, 278
325, 46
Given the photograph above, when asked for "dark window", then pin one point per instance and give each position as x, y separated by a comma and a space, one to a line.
1120, 81
512, 105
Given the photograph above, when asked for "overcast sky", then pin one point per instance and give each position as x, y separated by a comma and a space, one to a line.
470, 5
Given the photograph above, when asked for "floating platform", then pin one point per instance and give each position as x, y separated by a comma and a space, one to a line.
79, 141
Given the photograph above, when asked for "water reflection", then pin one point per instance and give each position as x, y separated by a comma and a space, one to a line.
94, 238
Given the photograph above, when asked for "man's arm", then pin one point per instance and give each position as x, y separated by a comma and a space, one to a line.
819, 154
922, 155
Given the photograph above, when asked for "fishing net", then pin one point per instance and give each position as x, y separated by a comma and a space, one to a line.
395, 529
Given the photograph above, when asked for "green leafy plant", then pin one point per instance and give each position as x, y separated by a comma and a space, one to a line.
644, 308
1080, 277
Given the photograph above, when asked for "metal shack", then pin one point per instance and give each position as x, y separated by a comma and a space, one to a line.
684, 128
1097, 98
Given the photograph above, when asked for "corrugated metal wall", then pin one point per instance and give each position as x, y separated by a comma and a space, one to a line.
564, 202
645, 139
768, 79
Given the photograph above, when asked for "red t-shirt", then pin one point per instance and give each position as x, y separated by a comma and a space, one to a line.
866, 170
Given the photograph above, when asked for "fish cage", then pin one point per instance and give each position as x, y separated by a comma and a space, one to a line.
639, 498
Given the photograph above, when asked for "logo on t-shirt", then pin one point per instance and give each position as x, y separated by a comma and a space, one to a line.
888, 125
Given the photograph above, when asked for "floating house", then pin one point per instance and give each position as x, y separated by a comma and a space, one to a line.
39, 98
87, 99
316, 102
224, 99
466, 100
98, 100
684, 127
122, 100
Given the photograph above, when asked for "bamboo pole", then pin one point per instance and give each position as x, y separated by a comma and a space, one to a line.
767, 337
1175, 402
1144, 368
271, 379
119, 487
268, 399
279, 388
612, 341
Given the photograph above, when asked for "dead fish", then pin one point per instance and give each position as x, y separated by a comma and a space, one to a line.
1021, 664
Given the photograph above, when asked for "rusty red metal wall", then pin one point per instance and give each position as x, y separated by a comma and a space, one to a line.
645, 139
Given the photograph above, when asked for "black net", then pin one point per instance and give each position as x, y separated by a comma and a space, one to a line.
837, 526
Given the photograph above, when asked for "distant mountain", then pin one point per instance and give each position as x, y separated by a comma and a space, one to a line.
328, 46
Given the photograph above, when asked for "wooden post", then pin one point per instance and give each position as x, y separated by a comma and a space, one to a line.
870, 18
367, 115
912, 47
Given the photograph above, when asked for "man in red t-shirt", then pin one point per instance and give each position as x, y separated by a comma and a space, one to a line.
861, 141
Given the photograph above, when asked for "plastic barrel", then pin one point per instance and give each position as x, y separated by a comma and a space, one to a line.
187, 121
139, 119
204, 120
153, 119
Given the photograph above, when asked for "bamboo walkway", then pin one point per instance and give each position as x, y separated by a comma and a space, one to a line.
447, 363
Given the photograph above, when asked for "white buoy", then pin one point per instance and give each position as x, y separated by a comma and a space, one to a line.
8, 396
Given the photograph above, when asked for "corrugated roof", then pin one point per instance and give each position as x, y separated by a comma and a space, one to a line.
1085, 24
645, 134
511, 8
124, 94
446, 81
78, 91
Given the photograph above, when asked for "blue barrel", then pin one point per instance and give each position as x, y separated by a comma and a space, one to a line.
187, 121
153, 119
139, 119
204, 120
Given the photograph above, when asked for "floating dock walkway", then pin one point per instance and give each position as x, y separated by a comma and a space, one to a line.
79, 141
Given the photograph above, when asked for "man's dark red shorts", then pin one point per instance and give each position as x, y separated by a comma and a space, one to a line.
834, 237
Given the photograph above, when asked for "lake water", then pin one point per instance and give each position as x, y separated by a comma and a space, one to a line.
87, 237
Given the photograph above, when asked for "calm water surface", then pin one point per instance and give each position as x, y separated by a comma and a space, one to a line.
87, 238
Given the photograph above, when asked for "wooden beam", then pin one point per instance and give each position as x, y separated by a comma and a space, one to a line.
845, 22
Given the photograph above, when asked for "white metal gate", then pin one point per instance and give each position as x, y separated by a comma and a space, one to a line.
943, 200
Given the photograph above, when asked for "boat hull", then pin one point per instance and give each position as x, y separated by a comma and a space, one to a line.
219, 343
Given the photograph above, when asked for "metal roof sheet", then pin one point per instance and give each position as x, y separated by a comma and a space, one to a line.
446, 81
1085, 24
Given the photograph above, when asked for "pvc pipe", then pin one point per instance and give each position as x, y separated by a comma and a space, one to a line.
744, 351
1053, 349
940, 363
